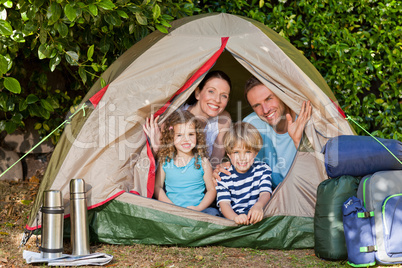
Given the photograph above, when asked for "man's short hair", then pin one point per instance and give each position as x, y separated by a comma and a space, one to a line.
251, 82
244, 135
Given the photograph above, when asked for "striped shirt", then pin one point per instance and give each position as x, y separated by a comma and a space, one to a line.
242, 190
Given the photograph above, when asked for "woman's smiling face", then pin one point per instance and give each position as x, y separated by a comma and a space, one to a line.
214, 97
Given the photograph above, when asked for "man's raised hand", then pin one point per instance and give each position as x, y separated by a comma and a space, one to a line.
296, 128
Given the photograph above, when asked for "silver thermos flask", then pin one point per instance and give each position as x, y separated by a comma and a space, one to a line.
79, 221
52, 225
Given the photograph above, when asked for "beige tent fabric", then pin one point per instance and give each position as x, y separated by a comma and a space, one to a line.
296, 195
110, 153
112, 136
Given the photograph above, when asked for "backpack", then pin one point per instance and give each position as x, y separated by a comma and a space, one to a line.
358, 233
379, 212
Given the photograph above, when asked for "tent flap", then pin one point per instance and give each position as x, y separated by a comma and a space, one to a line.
119, 222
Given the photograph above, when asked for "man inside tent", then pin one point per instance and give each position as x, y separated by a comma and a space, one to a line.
279, 126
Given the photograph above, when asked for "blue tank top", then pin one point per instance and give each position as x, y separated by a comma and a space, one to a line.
184, 186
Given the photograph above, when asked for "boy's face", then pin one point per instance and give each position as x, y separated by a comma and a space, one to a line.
242, 158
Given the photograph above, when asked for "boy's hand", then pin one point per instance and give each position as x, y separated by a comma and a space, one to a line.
193, 207
255, 214
241, 219
220, 168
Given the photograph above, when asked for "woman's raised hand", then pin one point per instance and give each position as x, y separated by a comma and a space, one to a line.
152, 130
223, 167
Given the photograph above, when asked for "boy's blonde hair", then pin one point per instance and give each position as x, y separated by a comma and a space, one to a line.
244, 135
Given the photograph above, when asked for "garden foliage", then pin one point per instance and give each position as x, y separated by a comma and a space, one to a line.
52, 51
355, 44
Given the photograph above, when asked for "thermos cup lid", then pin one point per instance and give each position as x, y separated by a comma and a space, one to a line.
77, 186
52, 198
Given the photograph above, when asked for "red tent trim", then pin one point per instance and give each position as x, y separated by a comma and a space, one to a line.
204, 68
95, 99
339, 109
151, 173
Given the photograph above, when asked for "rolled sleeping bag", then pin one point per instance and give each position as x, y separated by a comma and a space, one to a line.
360, 155
329, 237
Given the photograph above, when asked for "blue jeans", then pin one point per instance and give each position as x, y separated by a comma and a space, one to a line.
212, 211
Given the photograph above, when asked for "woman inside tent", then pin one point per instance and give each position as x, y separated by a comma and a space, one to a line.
208, 104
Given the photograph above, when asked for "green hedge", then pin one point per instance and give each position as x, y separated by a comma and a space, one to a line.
355, 44
51, 52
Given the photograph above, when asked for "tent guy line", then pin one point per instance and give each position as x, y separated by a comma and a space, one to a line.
351, 119
67, 121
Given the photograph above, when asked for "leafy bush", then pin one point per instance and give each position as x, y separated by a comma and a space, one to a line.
51, 52
355, 45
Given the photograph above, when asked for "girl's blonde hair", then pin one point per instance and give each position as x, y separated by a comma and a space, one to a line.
242, 134
168, 151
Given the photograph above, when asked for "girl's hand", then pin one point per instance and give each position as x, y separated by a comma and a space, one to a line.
193, 207
152, 130
241, 219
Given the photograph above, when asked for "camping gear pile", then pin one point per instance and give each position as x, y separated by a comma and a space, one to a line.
362, 214
376, 236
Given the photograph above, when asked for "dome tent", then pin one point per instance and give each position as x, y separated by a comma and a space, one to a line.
107, 147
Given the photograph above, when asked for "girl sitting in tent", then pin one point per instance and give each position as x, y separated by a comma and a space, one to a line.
184, 169
208, 104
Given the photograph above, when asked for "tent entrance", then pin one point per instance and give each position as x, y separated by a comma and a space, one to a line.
237, 106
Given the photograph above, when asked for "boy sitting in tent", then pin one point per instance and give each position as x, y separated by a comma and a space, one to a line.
280, 128
243, 195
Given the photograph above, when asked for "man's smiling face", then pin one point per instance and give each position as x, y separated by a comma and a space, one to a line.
266, 105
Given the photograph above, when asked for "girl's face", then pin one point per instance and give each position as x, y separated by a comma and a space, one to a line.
185, 137
214, 97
